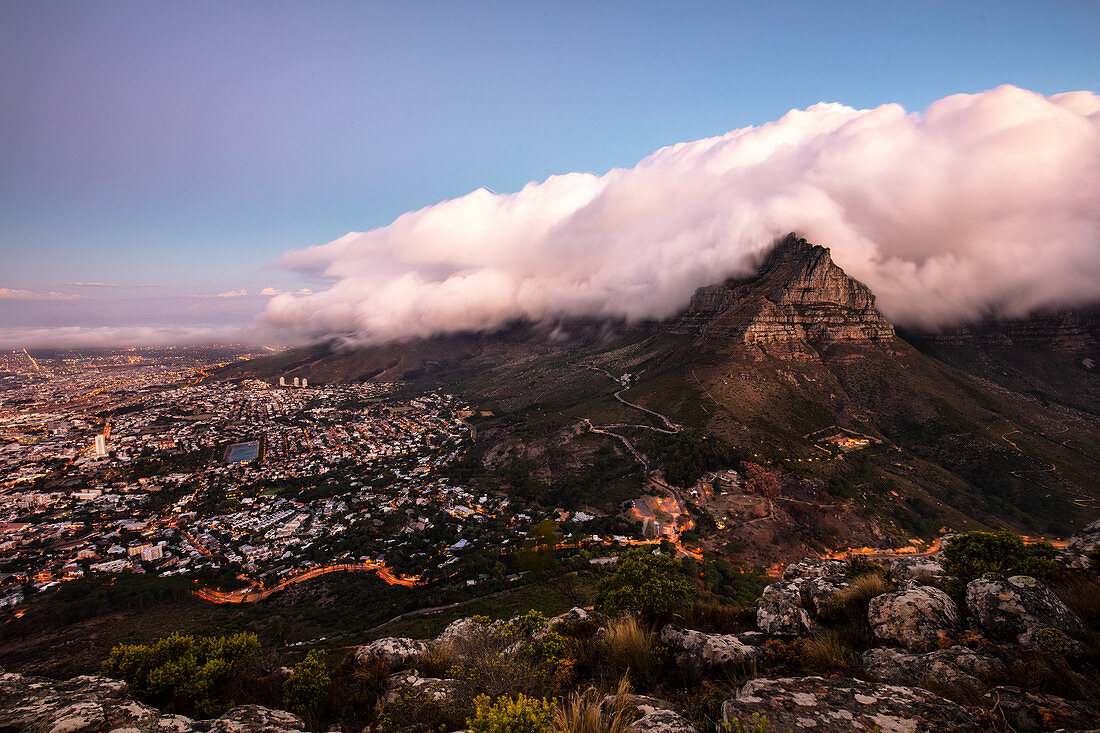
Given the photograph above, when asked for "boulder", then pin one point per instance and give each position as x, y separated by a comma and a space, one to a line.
459, 629
1020, 609
951, 667
1081, 544
779, 611
844, 705
913, 568
1027, 711
255, 719
813, 569
699, 653
819, 593
573, 617
425, 688
650, 714
95, 704
396, 653
916, 618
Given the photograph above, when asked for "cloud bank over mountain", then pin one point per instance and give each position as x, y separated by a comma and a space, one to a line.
982, 204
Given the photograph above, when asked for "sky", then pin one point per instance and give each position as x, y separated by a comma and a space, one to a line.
163, 164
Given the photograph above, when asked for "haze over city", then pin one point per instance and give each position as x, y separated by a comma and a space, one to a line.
173, 174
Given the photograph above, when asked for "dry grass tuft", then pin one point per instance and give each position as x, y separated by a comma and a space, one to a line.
863, 589
585, 712
632, 650
828, 653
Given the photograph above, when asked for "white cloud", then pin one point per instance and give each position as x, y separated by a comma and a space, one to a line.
16, 294
233, 294
984, 203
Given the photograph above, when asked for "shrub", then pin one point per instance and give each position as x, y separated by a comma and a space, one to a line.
756, 724
304, 690
858, 566
183, 673
644, 583
971, 555
584, 712
632, 651
507, 715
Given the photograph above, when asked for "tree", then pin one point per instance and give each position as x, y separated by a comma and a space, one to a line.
646, 583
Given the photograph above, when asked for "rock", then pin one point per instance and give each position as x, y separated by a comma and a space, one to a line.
779, 611
458, 629
806, 569
913, 568
1031, 711
915, 618
396, 653
819, 593
426, 688
700, 653
650, 714
95, 704
256, 719
782, 618
845, 705
1023, 610
573, 617
955, 666
1081, 544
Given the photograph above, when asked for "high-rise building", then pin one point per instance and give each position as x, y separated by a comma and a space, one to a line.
305, 382
282, 381
296, 382
100, 445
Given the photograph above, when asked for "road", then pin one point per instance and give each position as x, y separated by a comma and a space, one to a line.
256, 592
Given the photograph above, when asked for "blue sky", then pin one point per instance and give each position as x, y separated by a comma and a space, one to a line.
187, 146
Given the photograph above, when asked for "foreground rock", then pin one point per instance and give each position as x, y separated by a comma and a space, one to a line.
844, 705
953, 667
916, 568
1028, 711
779, 611
698, 653
1081, 545
395, 653
94, 704
914, 618
650, 715
1023, 610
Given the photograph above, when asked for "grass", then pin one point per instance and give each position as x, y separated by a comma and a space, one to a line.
632, 651
585, 712
828, 653
863, 589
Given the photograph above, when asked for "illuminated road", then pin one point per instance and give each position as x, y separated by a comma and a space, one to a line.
256, 592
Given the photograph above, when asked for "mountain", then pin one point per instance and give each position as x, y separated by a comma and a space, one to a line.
770, 366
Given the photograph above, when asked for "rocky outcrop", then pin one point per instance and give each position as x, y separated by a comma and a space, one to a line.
94, 704
411, 684
649, 714
845, 705
1077, 555
819, 594
395, 653
698, 653
799, 296
1027, 711
916, 618
1020, 609
806, 569
915, 568
572, 618
955, 666
779, 611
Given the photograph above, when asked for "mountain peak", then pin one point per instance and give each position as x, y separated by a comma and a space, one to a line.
799, 296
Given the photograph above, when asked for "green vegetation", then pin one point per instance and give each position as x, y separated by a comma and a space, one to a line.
512, 715
183, 673
304, 689
687, 455
645, 583
972, 555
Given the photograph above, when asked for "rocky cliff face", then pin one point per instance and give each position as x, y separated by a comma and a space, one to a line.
799, 296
